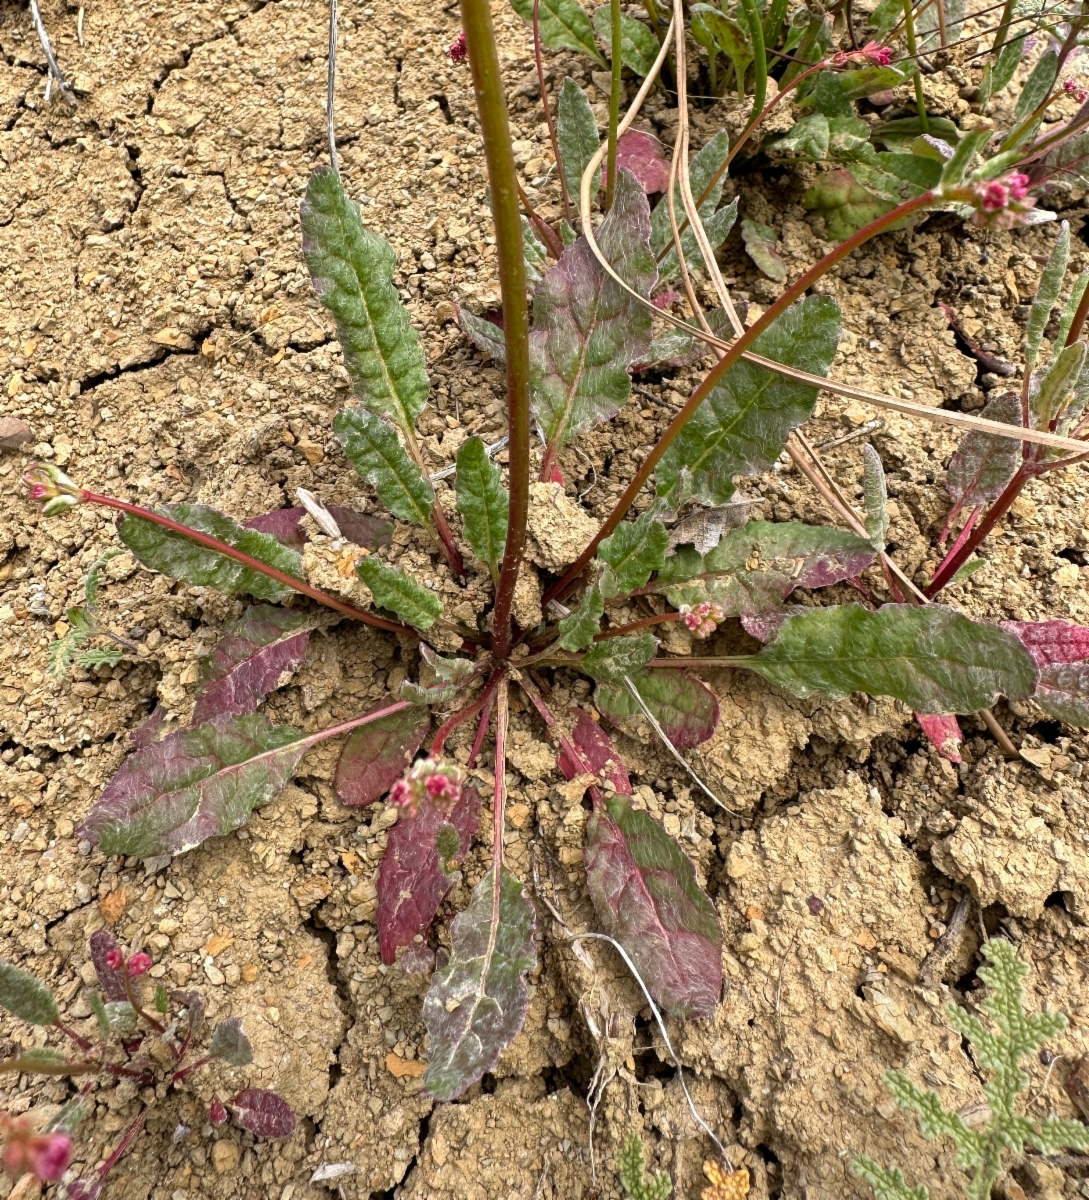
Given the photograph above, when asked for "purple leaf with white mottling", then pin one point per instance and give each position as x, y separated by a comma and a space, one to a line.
765, 626
686, 710
644, 156
412, 881
110, 980
359, 528
375, 756
593, 743
943, 732
263, 1113
283, 525
148, 731
256, 655
646, 896
1051, 641
983, 463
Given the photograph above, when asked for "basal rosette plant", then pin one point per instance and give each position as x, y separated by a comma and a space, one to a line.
568, 362
154, 1041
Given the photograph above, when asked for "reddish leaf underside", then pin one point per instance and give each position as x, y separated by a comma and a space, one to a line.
256, 655
263, 1113
599, 752
943, 732
375, 756
684, 707
1051, 641
284, 525
412, 882
643, 155
645, 892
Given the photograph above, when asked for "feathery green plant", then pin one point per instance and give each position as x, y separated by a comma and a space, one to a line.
631, 1167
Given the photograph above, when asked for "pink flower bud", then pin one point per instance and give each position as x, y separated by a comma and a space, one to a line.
458, 51
50, 484
44, 1155
138, 964
998, 203
438, 783
872, 52
114, 959
49, 1155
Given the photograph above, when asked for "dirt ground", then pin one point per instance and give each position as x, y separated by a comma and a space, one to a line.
159, 334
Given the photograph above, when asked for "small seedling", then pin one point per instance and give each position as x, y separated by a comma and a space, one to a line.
85, 626
631, 1168
151, 1039
1019, 1035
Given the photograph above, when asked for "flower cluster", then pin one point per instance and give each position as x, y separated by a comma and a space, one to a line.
51, 485
137, 964
438, 782
1001, 203
43, 1155
873, 53
1073, 88
458, 50
702, 619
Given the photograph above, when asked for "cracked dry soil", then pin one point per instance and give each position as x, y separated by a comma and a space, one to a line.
159, 335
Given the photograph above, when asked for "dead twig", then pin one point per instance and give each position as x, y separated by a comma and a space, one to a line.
56, 75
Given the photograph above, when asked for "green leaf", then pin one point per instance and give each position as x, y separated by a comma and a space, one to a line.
94, 576
876, 497
162, 999
175, 555
485, 335
352, 270
64, 650
1037, 86
194, 784
100, 658
760, 241
730, 38
717, 224
476, 1003
646, 896
229, 1042
392, 588
98, 1007
1070, 308
899, 134
1054, 1135
808, 138
835, 90
934, 1119
121, 1017
634, 550
563, 25
1063, 691
887, 1182
844, 204
26, 997
383, 462
957, 167
983, 462
686, 710
1057, 386
578, 629
631, 1168
483, 502
576, 132
931, 658
753, 569
1047, 293
611, 659
587, 330
440, 678
742, 426
43, 1059
534, 255
1009, 58
966, 571
67, 1118
638, 46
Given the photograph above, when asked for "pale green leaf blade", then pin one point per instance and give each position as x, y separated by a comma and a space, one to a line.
717, 224
1037, 86
983, 463
194, 784
686, 710
634, 550
378, 456
482, 501
1063, 691
533, 254
26, 997
1055, 389
392, 588
486, 336
576, 132
931, 658
742, 426
638, 46
887, 1182
1070, 308
611, 659
587, 330
1047, 293
876, 497
967, 148
578, 629
177, 556
352, 270
1054, 1135
563, 25
476, 1003
760, 242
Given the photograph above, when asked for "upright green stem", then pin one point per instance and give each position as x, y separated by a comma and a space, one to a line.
1003, 28
917, 79
614, 104
759, 57
476, 19
714, 376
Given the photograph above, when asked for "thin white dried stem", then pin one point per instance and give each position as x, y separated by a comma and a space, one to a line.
331, 86
55, 73
656, 725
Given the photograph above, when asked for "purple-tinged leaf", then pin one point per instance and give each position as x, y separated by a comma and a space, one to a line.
476, 1003
486, 336
217, 1111
1051, 641
193, 1003
665, 300
593, 743
983, 463
148, 730
943, 733
587, 331
375, 756
760, 245
230, 1043
644, 156
110, 979
686, 710
283, 524
179, 557
765, 626
646, 896
754, 568
422, 850
931, 658
193, 785
1063, 691
264, 1114
257, 654
742, 426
